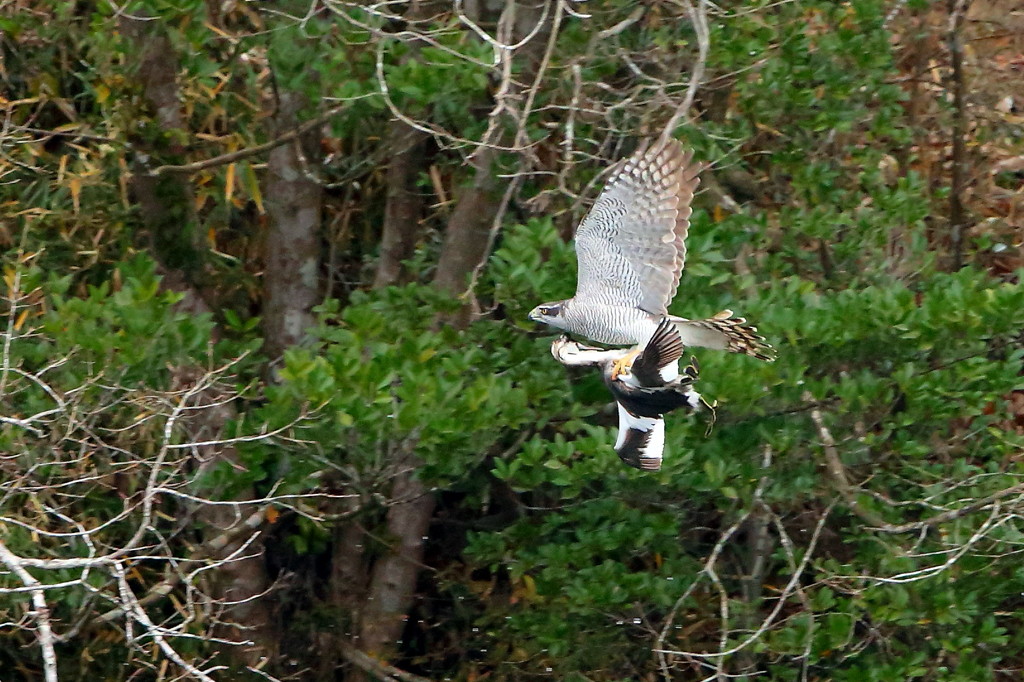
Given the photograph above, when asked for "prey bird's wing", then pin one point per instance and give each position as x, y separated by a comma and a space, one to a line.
658, 362
641, 440
632, 245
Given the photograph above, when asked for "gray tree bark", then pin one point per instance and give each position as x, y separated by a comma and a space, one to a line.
957, 213
291, 274
404, 203
469, 227
242, 582
167, 210
393, 579
166, 203
393, 582
468, 232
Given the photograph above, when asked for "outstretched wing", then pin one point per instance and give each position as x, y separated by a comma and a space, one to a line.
632, 245
641, 440
658, 362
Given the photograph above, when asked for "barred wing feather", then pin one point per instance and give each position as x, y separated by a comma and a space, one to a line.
632, 245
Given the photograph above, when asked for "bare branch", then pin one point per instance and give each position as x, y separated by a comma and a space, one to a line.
789, 589
377, 668
157, 633
836, 470
232, 157
699, 19
40, 610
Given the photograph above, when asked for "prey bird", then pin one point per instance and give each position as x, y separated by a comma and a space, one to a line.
646, 383
631, 248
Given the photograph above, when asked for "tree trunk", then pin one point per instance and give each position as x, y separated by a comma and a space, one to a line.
393, 580
292, 271
241, 582
957, 214
167, 209
347, 589
468, 233
393, 584
466, 237
166, 203
404, 203
158, 71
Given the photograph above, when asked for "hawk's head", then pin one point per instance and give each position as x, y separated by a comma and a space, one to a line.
550, 313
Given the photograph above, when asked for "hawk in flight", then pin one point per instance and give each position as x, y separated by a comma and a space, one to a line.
646, 384
631, 248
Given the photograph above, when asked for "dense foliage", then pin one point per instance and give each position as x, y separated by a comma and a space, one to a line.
852, 515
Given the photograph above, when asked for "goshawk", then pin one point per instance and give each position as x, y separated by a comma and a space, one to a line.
631, 248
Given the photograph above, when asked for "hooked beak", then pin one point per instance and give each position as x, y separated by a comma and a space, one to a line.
535, 315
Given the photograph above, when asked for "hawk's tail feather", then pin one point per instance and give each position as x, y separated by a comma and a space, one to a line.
725, 332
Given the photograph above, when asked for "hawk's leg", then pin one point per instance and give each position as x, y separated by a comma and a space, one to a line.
623, 364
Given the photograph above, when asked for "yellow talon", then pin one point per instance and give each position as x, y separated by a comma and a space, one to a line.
623, 364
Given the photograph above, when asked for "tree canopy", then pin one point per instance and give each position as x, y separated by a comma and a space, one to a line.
272, 408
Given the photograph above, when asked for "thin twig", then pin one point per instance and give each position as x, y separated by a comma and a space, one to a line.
208, 549
251, 151
836, 470
699, 19
954, 514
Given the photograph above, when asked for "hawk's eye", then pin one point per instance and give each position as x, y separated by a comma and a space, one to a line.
549, 311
